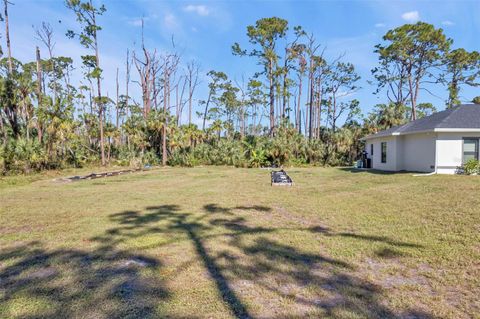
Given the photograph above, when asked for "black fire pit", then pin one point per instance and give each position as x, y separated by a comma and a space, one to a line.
280, 178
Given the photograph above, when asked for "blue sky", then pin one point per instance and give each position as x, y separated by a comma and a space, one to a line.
205, 31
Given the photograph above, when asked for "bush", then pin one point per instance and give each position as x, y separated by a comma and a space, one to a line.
472, 167
23, 156
3, 154
182, 157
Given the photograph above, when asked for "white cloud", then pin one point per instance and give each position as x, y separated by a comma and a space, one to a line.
448, 23
201, 10
411, 16
135, 22
379, 25
170, 21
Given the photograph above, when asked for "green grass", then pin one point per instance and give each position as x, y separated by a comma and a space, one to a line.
217, 242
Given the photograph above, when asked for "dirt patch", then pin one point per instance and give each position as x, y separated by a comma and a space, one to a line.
42, 273
392, 273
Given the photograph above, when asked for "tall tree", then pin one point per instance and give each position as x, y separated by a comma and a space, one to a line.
86, 14
411, 52
217, 80
314, 63
193, 70
7, 36
291, 53
147, 67
170, 63
265, 34
39, 92
341, 82
462, 68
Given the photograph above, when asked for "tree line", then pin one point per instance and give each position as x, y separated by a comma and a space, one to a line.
295, 109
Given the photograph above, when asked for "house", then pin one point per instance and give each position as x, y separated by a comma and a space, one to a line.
439, 143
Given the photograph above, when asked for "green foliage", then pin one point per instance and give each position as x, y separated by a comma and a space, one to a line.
53, 123
23, 156
86, 14
462, 67
472, 167
409, 54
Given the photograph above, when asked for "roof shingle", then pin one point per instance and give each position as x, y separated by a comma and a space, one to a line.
465, 116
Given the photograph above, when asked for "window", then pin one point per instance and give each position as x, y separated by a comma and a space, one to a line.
371, 150
384, 152
470, 149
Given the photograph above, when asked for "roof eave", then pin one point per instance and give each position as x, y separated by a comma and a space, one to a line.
457, 130
435, 130
397, 134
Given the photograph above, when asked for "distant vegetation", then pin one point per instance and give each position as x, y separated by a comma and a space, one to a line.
295, 110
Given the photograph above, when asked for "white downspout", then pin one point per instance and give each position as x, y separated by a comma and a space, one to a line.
436, 153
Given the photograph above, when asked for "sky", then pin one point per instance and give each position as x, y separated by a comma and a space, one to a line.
206, 30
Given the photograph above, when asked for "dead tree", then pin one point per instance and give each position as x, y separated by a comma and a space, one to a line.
193, 70
7, 35
170, 63
39, 93
144, 67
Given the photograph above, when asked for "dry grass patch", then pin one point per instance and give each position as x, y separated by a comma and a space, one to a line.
221, 243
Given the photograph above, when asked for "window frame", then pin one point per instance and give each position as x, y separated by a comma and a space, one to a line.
477, 146
383, 151
371, 150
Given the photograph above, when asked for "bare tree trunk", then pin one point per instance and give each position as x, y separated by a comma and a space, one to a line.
192, 76
285, 89
182, 104
166, 92
99, 94
177, 105
127, 82
311, 84
272, 98
305, 122
189, 100
2, 129
319, 107
39, 94
298, 115
412, 99
206, 111
117, 101
7, 35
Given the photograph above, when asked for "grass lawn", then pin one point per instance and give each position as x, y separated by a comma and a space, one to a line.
218, 242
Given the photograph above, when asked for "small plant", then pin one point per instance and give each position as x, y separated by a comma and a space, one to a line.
472, 167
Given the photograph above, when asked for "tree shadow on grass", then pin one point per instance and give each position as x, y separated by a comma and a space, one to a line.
373, 238
103, 282
255, 274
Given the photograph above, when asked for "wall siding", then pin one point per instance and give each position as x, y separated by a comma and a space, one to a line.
450, 151
392, 151
417, 152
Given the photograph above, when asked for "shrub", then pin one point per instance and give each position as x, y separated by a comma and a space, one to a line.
472, 167
182, 157
23, 156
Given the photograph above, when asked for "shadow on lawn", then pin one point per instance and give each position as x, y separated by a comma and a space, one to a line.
369, 171
103, 282
247, 266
